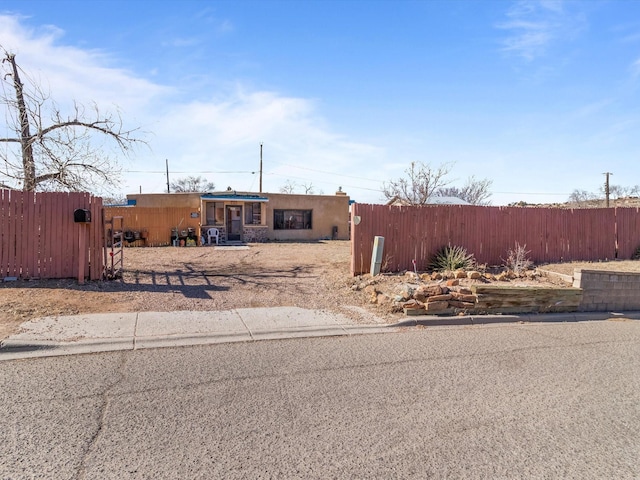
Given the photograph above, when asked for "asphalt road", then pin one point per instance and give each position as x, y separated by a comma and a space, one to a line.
507, 401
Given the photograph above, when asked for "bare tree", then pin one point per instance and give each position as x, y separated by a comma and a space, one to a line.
57, 152
288, 187
582, 198
308, 188
421, 183
192, 184
619, 191
476, 192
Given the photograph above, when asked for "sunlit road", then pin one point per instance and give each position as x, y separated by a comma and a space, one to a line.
515, 401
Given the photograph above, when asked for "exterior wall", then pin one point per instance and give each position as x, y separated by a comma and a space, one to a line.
608, 291
158, 222
328, 211
167, 200
253, 234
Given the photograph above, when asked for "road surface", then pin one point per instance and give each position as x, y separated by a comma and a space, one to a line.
502, 401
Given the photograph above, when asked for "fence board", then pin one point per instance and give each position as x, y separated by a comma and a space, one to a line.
549, 234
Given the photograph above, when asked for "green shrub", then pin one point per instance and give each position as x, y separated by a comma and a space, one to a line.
452, 258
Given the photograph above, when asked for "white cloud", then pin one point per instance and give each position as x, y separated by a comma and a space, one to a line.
534, 25
210, 136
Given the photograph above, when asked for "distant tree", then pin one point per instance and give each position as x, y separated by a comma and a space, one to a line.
192, 184
618, 191
289, 187
582, 196
422, 181
308, 188
476, 192
48, 150
114, 200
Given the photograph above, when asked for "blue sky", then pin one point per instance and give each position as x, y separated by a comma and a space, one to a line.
539, 96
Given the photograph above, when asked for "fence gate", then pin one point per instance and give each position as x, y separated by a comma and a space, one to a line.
113, 251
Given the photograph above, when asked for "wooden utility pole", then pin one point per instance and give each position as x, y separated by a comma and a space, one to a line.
167, 164
260, 167
606, 187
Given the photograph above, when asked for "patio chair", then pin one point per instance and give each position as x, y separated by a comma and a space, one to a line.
211, 234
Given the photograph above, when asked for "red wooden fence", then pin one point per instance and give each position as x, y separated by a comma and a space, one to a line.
551, 234
39, 238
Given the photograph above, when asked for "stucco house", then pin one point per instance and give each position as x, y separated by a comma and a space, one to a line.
257, 217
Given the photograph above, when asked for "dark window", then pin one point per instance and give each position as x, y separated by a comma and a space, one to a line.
252, 214
291, 219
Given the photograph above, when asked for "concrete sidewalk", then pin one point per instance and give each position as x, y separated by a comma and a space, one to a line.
90, 333
68, 335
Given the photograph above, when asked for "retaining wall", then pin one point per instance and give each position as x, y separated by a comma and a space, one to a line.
607, 291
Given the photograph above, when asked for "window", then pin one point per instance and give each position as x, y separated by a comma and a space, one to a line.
291, 219
215, 213
252, 213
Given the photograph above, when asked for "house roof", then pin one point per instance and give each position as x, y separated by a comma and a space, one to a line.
233, 195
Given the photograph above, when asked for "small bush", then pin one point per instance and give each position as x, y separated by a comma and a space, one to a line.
518, 259
452, 258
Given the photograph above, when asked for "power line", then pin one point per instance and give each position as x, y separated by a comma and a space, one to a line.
181, 171
328, 173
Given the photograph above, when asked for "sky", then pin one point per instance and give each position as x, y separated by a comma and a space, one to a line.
539, 96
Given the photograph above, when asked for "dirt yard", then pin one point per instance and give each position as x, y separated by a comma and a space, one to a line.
307, 275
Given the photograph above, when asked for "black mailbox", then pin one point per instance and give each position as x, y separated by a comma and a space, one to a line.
82, 215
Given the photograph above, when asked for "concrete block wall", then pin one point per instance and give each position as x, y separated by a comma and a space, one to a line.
607, 291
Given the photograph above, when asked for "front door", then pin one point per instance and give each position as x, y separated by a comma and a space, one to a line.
234, 223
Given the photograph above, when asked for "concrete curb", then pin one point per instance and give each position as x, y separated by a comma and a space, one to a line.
15, 349
432, 320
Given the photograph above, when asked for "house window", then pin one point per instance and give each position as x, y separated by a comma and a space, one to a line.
291, 219
215, 213
252, 213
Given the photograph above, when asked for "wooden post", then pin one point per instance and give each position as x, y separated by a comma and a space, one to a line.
82, 253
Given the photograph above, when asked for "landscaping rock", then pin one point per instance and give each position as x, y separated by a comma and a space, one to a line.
436, 306
440, 298
474, 275
428, 290
461, 274
453, 282
461, 297
458, 304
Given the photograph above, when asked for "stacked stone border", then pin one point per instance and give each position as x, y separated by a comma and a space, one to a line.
592, 291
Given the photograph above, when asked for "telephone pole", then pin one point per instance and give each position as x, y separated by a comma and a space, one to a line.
167, 163
260, 167
606, 186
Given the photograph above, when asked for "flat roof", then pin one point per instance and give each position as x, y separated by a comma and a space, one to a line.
236, 197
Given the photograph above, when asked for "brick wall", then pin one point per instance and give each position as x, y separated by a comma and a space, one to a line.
608, 291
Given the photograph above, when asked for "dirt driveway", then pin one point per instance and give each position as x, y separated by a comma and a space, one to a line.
307, 275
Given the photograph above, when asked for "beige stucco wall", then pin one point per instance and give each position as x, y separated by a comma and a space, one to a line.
191, 200
327, 211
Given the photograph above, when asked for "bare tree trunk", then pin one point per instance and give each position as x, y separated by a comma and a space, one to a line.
29, 166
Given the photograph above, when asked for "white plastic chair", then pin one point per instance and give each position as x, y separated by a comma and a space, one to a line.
211, 234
